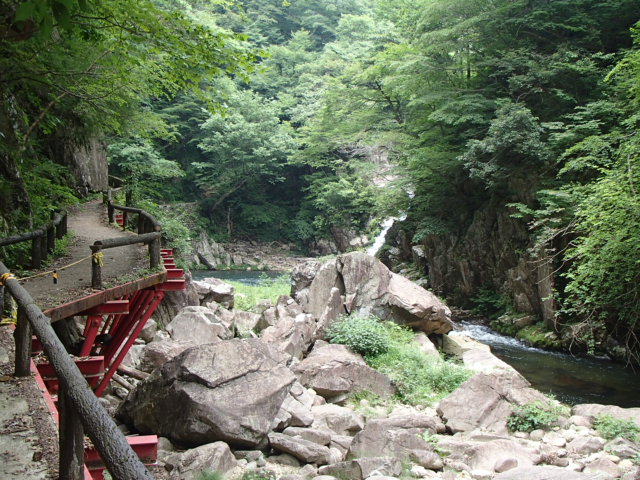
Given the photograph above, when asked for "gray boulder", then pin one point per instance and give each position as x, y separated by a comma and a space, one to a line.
367, 285
492, 396
332, 370
157, 353
339, 420
394, 436
214, 290
190, 464
229, 391
547, 473
304, 450
594, 410
198, 325
362, 468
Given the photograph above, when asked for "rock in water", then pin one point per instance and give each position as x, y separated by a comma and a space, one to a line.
367, 285
229, 391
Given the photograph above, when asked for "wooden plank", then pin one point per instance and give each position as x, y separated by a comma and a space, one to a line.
74, 308
109, 307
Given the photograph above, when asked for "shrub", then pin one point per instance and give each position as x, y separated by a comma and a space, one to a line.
363, 334
391, 350
532, 416
609, 428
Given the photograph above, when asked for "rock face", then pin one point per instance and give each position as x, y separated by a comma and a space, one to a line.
229, 391
333, 370
492, 397
367, 286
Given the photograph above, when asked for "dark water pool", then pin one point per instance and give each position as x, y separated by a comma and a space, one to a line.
571, 379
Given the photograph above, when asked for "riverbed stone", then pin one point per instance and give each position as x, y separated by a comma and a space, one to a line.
304, 450
547, 472
594, 410
213, 289
337, 419
190, 464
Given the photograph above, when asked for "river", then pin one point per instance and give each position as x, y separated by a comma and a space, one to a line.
570, 379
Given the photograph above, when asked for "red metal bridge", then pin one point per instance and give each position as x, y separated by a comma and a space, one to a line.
112, 320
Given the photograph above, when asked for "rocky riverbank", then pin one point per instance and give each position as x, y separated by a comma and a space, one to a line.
260, 395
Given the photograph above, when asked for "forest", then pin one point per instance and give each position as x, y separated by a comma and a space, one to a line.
504, 132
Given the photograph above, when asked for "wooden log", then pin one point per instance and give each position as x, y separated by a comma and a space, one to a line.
22, 338
125, 220
43, 245
120, 459
133, 372
121, 381
71, 439
132, 240
23, 237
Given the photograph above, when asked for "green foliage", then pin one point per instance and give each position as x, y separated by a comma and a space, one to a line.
177, 226
210, 475
260, 474
489, 303
533, 416
363, 334
268, 289
539, 336
609, 427
390, 349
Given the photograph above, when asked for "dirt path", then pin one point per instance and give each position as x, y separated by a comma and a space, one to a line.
88, 223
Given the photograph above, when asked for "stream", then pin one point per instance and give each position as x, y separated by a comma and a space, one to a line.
570, 379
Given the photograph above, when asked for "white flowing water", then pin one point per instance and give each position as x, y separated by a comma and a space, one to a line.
571, 379
379, 240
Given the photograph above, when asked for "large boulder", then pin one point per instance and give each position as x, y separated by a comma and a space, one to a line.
304, 450
198, 325
229, 391
333, 370
594, 410
396, 436
368, 286
190, 464
492, 396
212, 289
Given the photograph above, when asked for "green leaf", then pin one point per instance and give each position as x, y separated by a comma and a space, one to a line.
25, 11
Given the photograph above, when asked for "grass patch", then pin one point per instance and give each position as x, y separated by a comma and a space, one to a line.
248, 296
533, 416
609, 427
418, 378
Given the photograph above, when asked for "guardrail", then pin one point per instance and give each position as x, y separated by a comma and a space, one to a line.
149, 233
43, 239
79, 409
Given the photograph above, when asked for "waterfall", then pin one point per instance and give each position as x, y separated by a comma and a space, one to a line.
379, 241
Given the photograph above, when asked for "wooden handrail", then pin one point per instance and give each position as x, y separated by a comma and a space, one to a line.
43, 239
148, 233
78, 400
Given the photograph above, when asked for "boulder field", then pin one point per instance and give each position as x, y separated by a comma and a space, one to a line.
261, 395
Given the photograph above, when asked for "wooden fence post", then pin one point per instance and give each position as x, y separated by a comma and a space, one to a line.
22, 339
36, 252
154, 252
43, 244
96, 265
110, 213
125, 219
61, 228
51, 236
71, 439
141, 224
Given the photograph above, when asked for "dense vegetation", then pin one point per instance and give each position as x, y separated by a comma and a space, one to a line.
280, 118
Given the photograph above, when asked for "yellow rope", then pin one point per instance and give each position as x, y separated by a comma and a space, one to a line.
6, 276
97, 256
